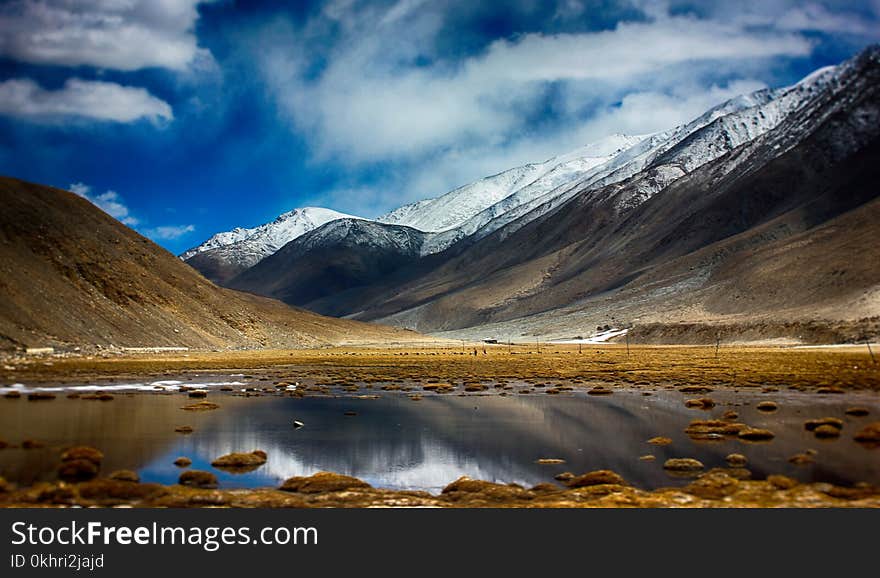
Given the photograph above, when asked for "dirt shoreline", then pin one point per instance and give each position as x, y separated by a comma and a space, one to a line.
715, 489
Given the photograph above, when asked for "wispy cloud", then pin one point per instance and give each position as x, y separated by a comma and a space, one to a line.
375, 100
114, 205
851, 19
96, 100
168, 232
122, 35
110, 202
385, 95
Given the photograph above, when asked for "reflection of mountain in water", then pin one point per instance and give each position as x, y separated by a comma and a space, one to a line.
398, 443
395, 442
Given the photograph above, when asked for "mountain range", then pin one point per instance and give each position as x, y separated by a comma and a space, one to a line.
226, 254
758, 219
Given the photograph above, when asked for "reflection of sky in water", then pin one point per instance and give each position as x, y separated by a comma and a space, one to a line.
398, 443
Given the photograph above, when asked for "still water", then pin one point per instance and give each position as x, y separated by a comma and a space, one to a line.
395, 442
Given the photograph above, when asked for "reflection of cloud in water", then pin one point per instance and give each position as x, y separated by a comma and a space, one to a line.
421, 464
395, 442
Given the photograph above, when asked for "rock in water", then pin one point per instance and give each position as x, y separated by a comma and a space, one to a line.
201, 406
701, 403
80, 463
870, 434
813, 424
736, 460
683, 465
322, 482
549, 461
756, 434
596, 478
801, 459
125, 476
77, 470
83, 453
198, 479
826, 431
250, 460
713, 426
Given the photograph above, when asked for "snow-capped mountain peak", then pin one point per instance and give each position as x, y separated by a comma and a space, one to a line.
624, 169
456, 207
248, 246
668, 154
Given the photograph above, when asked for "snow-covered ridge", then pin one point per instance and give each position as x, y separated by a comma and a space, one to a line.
645, 164
453, 209
662, 157
248, 246
524, 193
401, 239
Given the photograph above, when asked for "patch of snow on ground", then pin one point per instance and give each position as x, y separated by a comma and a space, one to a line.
170, 385
600, 337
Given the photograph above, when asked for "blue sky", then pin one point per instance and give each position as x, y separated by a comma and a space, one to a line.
184, 118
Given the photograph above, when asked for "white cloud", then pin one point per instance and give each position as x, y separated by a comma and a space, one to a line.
117, 34
114, 205
385, 96
637, 113
80, 189
168, 232
817, 18
854, 19
110, 202
97, 100
373, 103
629, 51
649, 111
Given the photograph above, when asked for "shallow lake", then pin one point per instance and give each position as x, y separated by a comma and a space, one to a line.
395, 442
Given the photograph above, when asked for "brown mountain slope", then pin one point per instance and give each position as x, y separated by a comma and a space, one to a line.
70, 275
215, 268
782, 229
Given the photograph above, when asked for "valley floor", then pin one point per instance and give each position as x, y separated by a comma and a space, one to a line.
851, 367
476, 369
